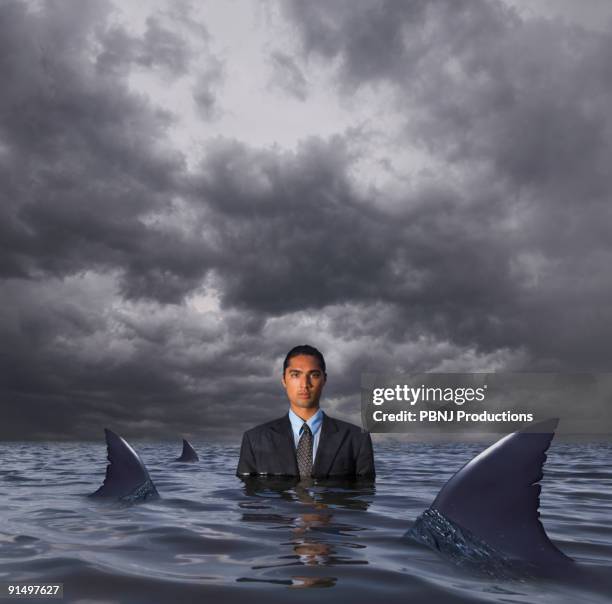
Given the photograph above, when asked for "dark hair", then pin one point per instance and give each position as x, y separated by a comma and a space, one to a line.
304, 349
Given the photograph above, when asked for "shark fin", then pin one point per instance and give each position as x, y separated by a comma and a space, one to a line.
127, 477
496, 495
188, 453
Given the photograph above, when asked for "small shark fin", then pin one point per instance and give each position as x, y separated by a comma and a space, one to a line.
189, 453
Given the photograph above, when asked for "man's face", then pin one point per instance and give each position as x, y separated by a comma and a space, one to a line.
304, 380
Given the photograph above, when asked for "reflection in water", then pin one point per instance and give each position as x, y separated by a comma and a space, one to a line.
309, 551
294, 582
301, 582
341, 493
314, 530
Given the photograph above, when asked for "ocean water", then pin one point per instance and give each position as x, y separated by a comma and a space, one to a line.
212, 536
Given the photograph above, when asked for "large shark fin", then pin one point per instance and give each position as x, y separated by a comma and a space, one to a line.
127, 477
496, 495
189, 453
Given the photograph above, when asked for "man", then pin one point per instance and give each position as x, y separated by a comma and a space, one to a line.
306, 442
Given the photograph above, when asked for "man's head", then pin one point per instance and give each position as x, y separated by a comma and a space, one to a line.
303, 378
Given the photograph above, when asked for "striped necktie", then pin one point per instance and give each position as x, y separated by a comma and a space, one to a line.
304, 452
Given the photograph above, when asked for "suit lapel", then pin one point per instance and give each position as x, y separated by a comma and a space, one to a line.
282, 435
329, 443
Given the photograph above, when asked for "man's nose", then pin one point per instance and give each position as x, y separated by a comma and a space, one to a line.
305, 382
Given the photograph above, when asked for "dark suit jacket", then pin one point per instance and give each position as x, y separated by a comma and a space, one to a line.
343, 450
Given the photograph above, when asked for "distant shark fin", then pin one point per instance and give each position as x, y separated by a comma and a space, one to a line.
189, 453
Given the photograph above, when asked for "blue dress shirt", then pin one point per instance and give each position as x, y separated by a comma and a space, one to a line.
314, 423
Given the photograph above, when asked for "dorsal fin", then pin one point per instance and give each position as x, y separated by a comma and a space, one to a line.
496, 495
126, 475
189, 453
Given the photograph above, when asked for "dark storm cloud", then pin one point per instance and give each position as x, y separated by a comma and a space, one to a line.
524, 104
90, 186
478, 83
74, 364
319, 242
86, 166
495, 258
297, 212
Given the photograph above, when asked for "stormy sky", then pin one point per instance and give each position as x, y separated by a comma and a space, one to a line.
189, 190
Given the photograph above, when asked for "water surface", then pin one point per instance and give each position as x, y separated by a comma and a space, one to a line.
212, 535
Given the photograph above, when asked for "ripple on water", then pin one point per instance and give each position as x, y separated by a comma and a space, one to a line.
211, 536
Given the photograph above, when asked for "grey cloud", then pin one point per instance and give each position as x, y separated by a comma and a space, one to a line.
319, 242
393, 40
158, 48
476, 83
499, 261
206, 88
479, 87
287, 75
164, 47
518, 107
86, 162
82, 360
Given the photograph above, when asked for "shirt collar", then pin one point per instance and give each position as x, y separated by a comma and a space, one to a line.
314, 423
